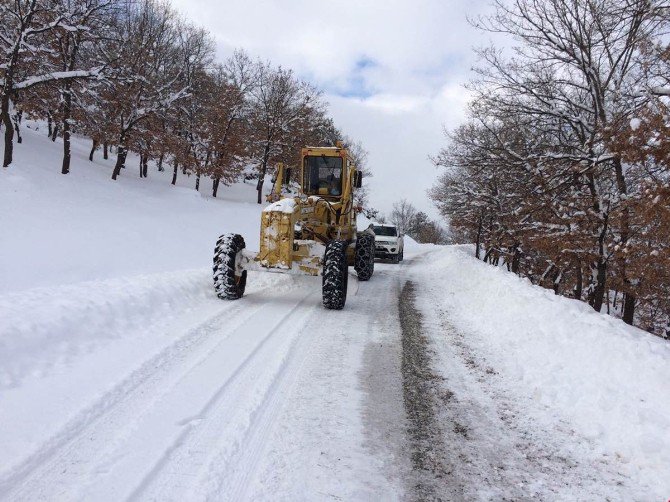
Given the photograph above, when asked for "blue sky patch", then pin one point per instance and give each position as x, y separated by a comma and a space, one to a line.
356, 85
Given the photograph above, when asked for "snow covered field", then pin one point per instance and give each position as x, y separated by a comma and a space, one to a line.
123, 376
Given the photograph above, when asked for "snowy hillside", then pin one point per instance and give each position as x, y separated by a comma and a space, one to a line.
123, 376
63, 229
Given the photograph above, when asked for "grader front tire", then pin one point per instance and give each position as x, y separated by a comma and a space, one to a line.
228, 285
335, 275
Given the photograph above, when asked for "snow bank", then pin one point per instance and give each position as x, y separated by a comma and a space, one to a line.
43, 327
411, 246
566, 363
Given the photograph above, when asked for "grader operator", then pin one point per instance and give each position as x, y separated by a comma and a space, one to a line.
313, 233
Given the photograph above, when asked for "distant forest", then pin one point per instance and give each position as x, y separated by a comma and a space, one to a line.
134, 76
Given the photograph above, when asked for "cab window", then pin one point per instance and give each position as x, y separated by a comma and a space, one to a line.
323, 175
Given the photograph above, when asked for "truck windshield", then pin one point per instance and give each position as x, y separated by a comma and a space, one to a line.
323, 175
385, 231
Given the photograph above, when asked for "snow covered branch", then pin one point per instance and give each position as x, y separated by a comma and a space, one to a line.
56, 76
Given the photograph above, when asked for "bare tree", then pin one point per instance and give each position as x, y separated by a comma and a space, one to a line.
26, 62
279, 102
79, 49
403, 216
536, 163
154, 58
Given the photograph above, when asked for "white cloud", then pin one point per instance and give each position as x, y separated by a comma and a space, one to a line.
393, 71
393, 104
400, 133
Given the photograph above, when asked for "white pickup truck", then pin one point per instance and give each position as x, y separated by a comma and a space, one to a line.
388, 244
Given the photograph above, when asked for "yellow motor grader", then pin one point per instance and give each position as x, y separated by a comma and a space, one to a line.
312, 233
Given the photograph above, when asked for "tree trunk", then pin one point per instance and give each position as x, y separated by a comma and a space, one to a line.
558, 277
599, 290
579, 283
49, 124
17, 127
145, 164
516, 261
629, 299
121, 155
479, 236
215, 186
174, 172
197, 179
261, 174
93, 149
259, 188
160, 162
120, 162
629, 309
67, 112
9, 130
105, 150
55, 133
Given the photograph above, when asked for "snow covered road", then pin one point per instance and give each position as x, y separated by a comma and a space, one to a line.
443, 378
261, 400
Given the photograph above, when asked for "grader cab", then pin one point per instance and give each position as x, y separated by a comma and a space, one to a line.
313, 233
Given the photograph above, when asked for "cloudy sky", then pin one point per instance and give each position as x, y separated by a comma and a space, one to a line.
392, 71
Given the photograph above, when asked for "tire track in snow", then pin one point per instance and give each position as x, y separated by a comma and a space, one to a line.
198, 423
220, 447
331, 441
91, 432
432, 473
264, 417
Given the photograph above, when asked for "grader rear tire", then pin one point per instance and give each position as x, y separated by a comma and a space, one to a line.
364, 261
335, 275
228, 285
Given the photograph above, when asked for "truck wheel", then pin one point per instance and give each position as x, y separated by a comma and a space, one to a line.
227, 284
395, 258
335, 275
364, 262
402, 255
